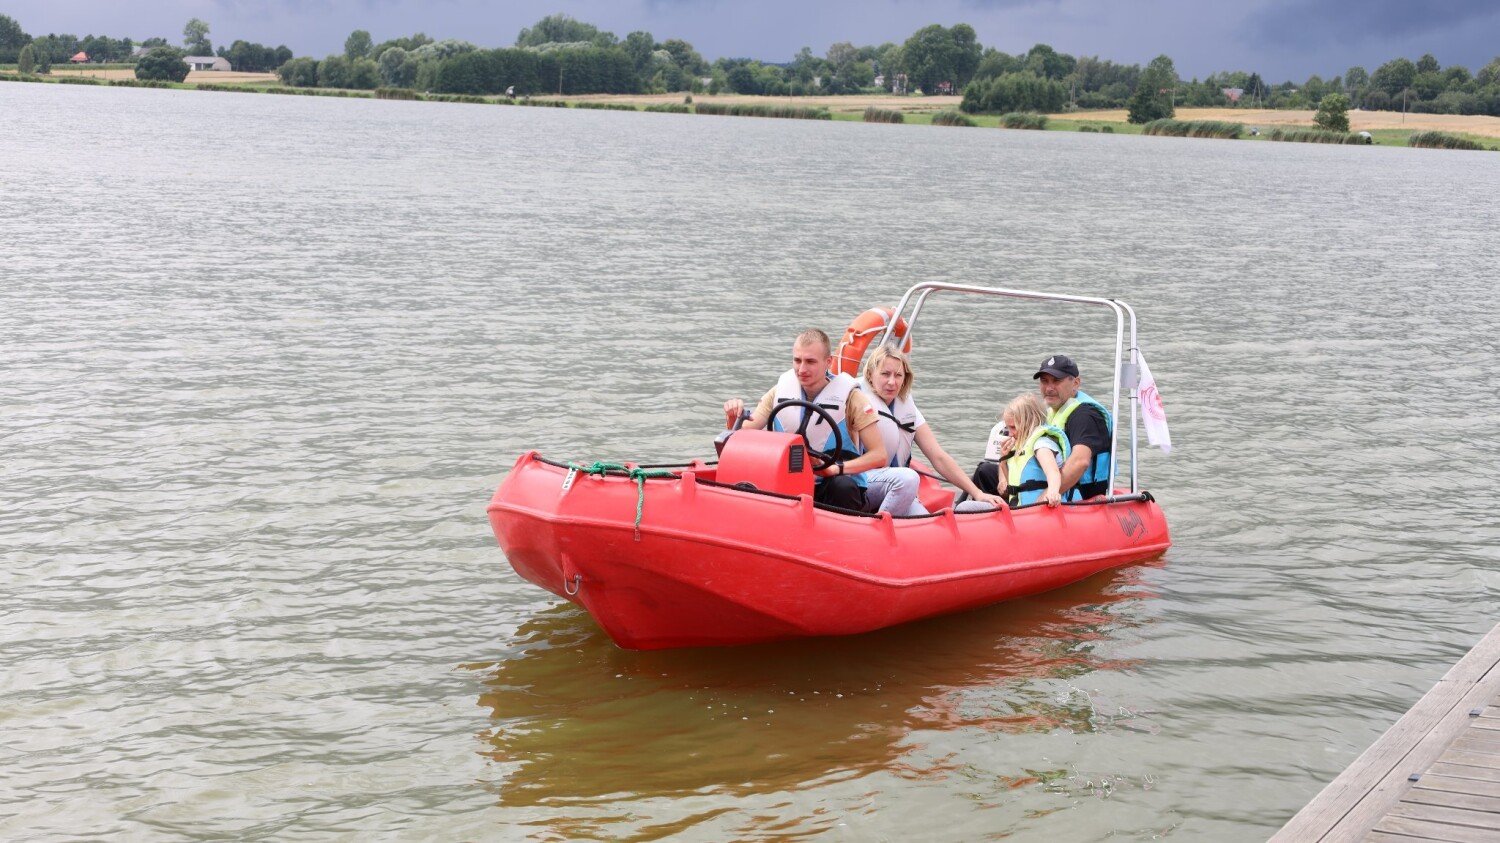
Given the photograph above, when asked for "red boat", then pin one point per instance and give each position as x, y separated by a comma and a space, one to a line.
700, 555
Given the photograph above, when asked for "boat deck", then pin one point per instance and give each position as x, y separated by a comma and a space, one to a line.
1435, 775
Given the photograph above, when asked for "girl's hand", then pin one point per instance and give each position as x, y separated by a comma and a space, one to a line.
1052, 498
993, 500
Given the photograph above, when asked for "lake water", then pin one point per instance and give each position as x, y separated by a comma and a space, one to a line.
266, 358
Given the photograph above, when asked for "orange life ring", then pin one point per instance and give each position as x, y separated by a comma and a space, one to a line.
864, 330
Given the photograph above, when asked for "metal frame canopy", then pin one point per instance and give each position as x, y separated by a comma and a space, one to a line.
1127, 372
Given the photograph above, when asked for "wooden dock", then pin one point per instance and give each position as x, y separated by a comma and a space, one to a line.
1435, 775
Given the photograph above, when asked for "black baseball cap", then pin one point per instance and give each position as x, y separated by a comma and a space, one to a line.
1058, 366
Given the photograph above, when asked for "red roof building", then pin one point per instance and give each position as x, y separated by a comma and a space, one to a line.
80, 58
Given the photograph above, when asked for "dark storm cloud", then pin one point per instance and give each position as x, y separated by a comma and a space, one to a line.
1314, 23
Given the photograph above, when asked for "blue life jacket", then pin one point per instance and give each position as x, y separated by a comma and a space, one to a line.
1024, 477
1097, 472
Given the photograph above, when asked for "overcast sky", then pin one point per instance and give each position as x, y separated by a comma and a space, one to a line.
1280, 39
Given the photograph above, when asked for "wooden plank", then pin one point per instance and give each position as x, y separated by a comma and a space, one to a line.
1453, 784
1350, 805
1472, 759
1469, 743
1450, 816
1424, 830
1383, 837
1485, 774
1466, 801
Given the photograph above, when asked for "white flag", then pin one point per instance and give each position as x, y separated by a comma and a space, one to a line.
1155, 413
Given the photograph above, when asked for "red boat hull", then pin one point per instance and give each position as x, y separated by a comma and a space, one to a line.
711, 565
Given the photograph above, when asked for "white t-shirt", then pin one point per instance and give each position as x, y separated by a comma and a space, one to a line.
1047, 443
998, 435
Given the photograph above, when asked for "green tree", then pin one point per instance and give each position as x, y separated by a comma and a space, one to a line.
933, 55
889, 60
1315, 88
299, 72
335, 72
1355, 79
639, 46
253, 58
1489, 74
1455, 77
857, 75
1045, 61
1395, 76
995, 63
195, 38
364, 74
1145, 106
1154, 93
1427, 64
805, 66
26, 61
163, 63
1162, 72
1333, 113
841, 55
358, 45
685, 57
398, 69
443, 49
969, 51
1025, 91
1426, 86
564, 29
742, 80
1255, 88
12, 39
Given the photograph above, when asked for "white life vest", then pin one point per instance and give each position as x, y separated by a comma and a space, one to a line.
994, 449
897, 425
833, 399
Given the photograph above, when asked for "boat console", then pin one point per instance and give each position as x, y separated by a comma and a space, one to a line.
769, 461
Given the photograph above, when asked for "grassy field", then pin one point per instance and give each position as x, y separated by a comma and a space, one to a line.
1359, 121
1387, 128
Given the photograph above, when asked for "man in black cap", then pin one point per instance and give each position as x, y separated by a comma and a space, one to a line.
1085, 421
1085, 474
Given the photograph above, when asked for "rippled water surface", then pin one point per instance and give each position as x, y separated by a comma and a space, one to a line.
265, 359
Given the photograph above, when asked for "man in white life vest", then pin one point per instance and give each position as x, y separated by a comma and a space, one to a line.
840, 484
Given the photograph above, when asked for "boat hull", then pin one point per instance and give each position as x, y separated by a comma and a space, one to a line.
711, 565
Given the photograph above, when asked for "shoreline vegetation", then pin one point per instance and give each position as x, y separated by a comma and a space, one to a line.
939, 75
1432, 131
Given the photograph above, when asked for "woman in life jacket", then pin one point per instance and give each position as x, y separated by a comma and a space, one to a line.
1032, 456
887, 382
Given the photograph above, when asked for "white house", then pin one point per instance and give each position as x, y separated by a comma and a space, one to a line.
207, 63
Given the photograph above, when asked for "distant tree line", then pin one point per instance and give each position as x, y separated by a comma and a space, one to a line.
561, 55
47, 50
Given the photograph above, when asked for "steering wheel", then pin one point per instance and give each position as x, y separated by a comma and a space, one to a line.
821, 459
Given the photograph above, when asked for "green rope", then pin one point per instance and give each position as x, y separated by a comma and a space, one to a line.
639, 475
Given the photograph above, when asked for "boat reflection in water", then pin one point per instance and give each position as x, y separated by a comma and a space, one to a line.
579, 721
